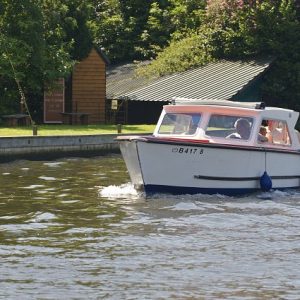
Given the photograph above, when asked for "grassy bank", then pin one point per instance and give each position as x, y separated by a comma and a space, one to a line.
48, 130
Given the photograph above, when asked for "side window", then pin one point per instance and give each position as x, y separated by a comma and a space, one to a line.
277, 132
180, 123
227, 126
298, 135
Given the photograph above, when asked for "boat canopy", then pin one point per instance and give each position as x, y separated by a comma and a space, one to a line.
218, 102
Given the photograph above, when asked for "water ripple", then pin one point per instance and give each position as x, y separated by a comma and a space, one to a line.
86, 233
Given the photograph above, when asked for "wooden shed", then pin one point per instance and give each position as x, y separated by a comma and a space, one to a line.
84, 92
89, 86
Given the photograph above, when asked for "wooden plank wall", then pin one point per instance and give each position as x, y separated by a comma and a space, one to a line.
89, 88
54, 102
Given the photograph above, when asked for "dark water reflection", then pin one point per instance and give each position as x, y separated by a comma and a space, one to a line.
75, 228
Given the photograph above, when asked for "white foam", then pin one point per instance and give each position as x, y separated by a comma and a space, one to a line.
42, 217
33, 186
53, 164
115, 191
47, 178
186, 206
278, 194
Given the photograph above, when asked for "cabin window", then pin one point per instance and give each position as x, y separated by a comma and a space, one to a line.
276, 132
225, 126
173, 123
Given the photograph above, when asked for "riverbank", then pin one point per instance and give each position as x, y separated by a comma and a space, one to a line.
47, 147
62, 129
53, 141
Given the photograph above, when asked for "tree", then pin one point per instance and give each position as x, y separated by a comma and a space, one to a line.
35, 45
77, 27
179, 56
170, 20
120, 25
283, 83
156, 33
243, 29
21, 29
109, 29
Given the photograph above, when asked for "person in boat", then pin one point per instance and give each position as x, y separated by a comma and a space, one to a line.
276, 134
262, 136
243, 129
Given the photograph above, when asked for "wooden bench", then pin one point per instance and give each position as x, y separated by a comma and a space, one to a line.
75, 118
16, 120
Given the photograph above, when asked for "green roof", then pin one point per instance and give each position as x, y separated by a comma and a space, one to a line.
122, 79
217, 80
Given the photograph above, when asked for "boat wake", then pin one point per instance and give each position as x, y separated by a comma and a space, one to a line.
273, 195
279, 194
119, 191
127, 191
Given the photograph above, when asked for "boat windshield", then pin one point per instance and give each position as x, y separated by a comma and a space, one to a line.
180, 123
226, 126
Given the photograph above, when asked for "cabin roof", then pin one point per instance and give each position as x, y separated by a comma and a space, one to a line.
229, 107
219, 80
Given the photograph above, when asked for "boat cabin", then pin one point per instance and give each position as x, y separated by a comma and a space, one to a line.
227, 122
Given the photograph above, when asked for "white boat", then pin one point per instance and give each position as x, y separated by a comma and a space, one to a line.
215, 146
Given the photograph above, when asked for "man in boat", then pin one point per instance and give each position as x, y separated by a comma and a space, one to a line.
243, 129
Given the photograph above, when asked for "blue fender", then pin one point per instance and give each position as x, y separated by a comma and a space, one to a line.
265, 182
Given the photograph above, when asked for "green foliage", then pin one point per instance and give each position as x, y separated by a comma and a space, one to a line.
179, 56
186, 15
240, 29
42, 39
173, 20
20, 41
57, 61
282, 85
76, 26
156, 33
120, 25
37, 48
109, 29
138, 29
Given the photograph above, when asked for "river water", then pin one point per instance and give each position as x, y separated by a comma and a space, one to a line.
75, 228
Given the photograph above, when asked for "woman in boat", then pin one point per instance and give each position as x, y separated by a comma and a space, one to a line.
277, 134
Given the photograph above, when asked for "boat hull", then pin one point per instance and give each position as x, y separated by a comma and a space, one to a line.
187, 168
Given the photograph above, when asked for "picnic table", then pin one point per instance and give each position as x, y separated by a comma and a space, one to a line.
74, 118
16, 120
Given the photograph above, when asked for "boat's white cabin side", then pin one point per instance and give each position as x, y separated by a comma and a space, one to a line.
268, 127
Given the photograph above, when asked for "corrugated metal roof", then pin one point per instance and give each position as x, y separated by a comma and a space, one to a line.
217, 80
122, 79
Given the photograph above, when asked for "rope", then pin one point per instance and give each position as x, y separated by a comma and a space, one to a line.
265, 160
23, 98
